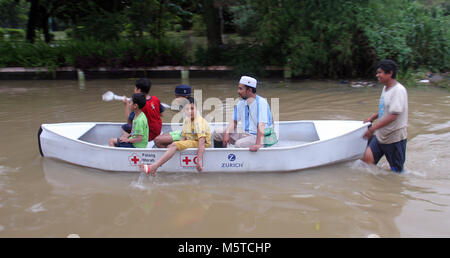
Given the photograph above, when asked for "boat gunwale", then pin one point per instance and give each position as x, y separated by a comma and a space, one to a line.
207, 149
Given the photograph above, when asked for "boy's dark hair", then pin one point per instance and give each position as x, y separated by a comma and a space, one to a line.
139, 99
388, 66
192, 100
253, 89
144, 85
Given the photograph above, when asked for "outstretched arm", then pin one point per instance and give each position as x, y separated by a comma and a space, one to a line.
127, 108
201, 150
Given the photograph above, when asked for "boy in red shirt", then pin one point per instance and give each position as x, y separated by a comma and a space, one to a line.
152, 110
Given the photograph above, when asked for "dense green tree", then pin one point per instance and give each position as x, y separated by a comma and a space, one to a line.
343, 38
14, 13
416, 36
332, 38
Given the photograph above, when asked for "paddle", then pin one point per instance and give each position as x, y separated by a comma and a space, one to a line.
110, 96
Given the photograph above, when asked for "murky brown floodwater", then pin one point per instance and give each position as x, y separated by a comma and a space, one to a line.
40, 197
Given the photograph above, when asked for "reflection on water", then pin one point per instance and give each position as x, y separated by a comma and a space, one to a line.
48, 198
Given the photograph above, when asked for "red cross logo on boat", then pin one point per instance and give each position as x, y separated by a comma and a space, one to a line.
186, 160
134, 159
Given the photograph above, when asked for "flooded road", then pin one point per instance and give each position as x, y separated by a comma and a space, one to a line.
41, 197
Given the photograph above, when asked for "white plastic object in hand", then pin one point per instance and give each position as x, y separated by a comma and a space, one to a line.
109, 96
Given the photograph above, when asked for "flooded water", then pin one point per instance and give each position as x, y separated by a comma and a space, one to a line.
41, 197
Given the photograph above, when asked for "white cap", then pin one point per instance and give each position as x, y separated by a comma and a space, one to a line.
249, 81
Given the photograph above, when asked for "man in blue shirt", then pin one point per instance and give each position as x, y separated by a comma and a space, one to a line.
250, 118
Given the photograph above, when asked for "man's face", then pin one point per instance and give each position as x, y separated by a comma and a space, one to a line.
382, 76
242, 91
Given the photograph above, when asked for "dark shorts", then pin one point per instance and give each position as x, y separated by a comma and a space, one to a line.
124, 144
127, 128
395, 153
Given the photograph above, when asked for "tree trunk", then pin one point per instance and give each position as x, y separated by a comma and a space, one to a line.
33, 16
45, 28
44, 15
211, 16
160, 13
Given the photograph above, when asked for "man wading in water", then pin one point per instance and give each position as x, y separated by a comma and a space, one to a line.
388, 136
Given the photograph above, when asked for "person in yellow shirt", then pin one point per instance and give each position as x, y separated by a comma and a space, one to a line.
196, 133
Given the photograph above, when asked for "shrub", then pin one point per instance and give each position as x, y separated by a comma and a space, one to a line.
416, 36
91, 53
177, 27
244, 58
198, 25
344, 38
15, 34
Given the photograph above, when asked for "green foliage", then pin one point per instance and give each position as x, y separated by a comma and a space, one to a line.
198, 25
124, 53
313, 38
414, 35
152, 16
244, 58
345, 38
177, 27
409, 78
13, 34
245, 18
101, 25
332, 39
92, 53
412, 78
24, 54
14, 13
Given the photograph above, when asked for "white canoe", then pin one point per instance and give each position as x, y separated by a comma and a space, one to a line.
302, 144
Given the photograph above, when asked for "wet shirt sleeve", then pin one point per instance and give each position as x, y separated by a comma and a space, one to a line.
397, 102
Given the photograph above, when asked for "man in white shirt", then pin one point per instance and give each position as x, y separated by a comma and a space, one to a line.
388, 136
250, 118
